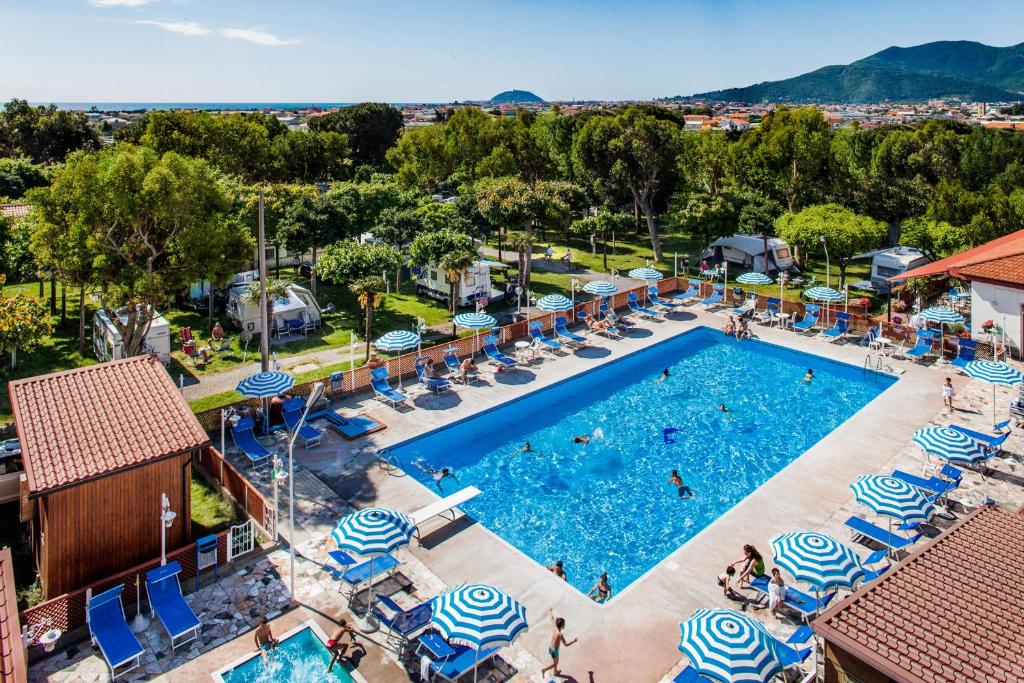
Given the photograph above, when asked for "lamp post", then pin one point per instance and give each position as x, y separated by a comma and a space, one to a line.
828, 269
167, 517
314, 396
276, 474
573, 286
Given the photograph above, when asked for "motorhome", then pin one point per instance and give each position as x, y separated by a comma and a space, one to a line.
747, 252
889, 263
300, 305
108, 344
474, 286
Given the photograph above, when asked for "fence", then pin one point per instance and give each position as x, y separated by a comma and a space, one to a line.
221, 472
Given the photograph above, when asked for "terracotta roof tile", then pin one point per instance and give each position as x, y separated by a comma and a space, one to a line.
88, 422
951, 611
15, 210
1001, 247
1009, 269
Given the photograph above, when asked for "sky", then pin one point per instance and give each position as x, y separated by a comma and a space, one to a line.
447, 50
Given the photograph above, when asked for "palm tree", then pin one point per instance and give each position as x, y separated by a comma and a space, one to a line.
454, 265
276, 290
522, 242
367, 290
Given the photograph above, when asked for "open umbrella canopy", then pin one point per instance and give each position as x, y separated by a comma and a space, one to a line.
892, 497
265, 384
554, 302
645, 274
950, 444
478, 616
729, 646
474, 321
600, 288
993, 372
818, 559
373, 530
397, 340
823, 294
942, 315
754, 279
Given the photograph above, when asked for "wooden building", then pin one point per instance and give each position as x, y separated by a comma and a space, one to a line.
100, 445
951, 612
13, 666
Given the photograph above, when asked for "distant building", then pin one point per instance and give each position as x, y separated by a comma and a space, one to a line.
15, 210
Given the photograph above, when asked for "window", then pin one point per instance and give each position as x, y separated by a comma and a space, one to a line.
887, 271
781, 253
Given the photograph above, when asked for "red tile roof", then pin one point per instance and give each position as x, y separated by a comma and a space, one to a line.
1009, 270
1007, 245
951, 611
14, 210
89, 422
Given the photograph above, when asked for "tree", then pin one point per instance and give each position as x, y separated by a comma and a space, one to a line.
44, 134
23, 324
17, 176
705, 216
149, 218
451, 251
372, 129
508, 203
604, 224
276, 291
311, 222
846, 233
361, 267
935, 238
312, 157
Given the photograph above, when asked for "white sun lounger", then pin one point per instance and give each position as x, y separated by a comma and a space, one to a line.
442, 507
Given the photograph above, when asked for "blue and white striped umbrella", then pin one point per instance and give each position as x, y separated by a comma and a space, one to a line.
477, 616
993, 372
754, 279
892, 497
950, 444
942, 315
475, 321
265, 384
397, 340
645, 274
373, 530
729, 646
818, 559
600, 288
823, 294
554, 302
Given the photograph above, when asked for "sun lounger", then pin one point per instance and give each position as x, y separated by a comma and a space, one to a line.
110, 632
631, 303
803, 603
562, 332
870, 574
993, 443
464, 660
933, 485
537, 335
611, 331
454, 366
435, 384
609, 314
923, 346
293, 415
808, 323
691, 293
689, 675
367, 571
864, 529
716, 297
771, 310
839, 328
383, 390
790, 654
747, 307
652, 294
169, 605
966, 348
495, 355
401, 624
444, 506
245, 440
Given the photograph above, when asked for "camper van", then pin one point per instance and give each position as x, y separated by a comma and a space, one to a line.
889, 263
747, 252
476, 283
108, 345
299, 305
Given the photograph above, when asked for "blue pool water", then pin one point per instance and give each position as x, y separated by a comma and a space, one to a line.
299, 657
608, 506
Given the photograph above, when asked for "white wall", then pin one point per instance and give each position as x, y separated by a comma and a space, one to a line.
1000, 305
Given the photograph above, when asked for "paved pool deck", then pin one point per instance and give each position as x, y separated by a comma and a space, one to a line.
634, 637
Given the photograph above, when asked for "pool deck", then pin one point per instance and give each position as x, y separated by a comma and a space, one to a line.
634, 637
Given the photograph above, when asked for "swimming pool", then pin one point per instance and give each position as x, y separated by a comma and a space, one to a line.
300, 655
608, 506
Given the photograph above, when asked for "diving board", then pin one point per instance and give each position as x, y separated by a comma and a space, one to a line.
443, 506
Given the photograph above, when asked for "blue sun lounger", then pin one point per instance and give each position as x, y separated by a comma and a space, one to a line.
401, 624
293, 414
383, 390
652, 294
803, 603
923, 346
245, 439
873, 559
864, 529
771, 309
367, 571
716, 297
495, 355
562, 332
537, 335
169, 605
934, 485
808, 323
454, 366
635, 307
691, 293
840, 328
993, 443
109, 630
611, 331
435, 384
462, 660
966, 348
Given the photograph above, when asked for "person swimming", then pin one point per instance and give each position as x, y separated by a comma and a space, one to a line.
581, 438
438, 475
677, 481
667, 432
527, 448
602, 591
664, 376
809, 377
723, 408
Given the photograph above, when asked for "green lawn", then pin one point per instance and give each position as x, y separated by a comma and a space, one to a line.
210, 512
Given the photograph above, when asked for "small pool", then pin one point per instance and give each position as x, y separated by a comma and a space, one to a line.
301, 655
608, 506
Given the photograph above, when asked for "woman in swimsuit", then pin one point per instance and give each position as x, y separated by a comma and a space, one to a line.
601, 592
557, 641
753, 564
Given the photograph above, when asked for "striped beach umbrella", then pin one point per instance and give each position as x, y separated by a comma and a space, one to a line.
754, 279
265, 384
373, 531
950, 444
826, 294
397, 340
891, 497
818, 559
994, 373
645, 274
478, 616
554, 302
942, 315
600, 288
728, 646
476, 322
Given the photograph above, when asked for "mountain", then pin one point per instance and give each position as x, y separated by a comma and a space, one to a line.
515, 97
940, 70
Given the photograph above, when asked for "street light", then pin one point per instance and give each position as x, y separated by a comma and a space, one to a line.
314, 396
828, 273
167, 517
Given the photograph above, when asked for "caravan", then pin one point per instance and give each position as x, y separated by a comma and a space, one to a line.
108, 344
889, 263
299, 305
747, 252
475, 286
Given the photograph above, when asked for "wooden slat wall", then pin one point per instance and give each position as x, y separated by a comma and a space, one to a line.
13, 668
99, 528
